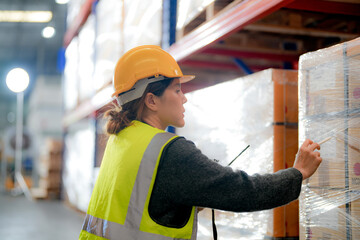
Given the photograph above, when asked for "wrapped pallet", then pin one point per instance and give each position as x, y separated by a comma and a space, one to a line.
259, 110
329, 108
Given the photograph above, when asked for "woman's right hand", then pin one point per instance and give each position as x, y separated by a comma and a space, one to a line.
307, 159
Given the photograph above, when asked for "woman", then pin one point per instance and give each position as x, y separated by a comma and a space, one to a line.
150, 180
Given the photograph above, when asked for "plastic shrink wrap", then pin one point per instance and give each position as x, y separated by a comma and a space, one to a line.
142, 23
188, 10
329, 107
259, 110
78, 169
109, 40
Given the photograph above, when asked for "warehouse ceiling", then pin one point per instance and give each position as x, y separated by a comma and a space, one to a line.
22, 44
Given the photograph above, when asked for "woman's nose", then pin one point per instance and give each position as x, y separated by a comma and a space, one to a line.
184, 99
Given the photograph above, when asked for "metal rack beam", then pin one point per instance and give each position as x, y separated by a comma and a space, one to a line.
326, 7
248, 54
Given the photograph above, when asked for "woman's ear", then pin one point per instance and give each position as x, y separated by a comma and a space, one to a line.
151, 101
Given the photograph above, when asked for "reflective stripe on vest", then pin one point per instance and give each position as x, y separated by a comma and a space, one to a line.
110, 230
130, 230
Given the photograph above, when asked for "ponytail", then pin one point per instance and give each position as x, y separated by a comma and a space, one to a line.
119, 118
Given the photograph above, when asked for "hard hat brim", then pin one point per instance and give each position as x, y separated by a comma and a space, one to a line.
186, 78
183, 79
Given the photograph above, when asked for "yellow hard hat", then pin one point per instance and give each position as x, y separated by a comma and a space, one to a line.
148, 63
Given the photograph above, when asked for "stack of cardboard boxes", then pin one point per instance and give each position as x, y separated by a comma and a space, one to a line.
50, 171
329, 107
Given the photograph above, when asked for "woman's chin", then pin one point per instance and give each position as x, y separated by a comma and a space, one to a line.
179, 124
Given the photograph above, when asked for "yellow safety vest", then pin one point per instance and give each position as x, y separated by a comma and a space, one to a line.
118, 208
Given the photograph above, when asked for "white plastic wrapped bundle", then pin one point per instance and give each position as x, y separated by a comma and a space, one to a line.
73, 9
109, 39
329, 108
86, 59
142, 23
222, 120
187, 10
71, 75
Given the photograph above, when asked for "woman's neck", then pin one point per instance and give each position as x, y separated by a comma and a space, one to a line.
153, 121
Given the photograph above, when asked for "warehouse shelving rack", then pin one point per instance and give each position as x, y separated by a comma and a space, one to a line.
206, 38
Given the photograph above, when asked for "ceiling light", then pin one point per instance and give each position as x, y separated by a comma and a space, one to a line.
48, 32
62, 1
25, 16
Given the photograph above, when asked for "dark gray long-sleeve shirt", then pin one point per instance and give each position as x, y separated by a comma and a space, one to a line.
187, 178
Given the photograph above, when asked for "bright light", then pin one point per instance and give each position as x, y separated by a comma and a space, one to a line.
48, 32
25, 16
62, 1
17, 80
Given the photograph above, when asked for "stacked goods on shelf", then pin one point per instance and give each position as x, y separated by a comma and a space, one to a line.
71, 80
44, 117
50, 171
329, 107
79, 82
73, 9
142, 23
109, 40
259, 110
109, 31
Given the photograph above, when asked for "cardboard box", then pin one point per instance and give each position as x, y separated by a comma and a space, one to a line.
353, 151
355, 217
53, 181
331, 172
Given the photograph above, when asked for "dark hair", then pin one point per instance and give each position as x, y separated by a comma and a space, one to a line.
119, 118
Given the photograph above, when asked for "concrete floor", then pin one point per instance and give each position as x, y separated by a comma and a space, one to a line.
21, 219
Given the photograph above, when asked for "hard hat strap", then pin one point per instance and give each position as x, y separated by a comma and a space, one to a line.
137, 90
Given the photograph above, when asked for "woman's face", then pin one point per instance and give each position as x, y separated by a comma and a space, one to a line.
171, 110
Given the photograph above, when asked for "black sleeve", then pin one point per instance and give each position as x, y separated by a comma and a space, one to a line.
186, 177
